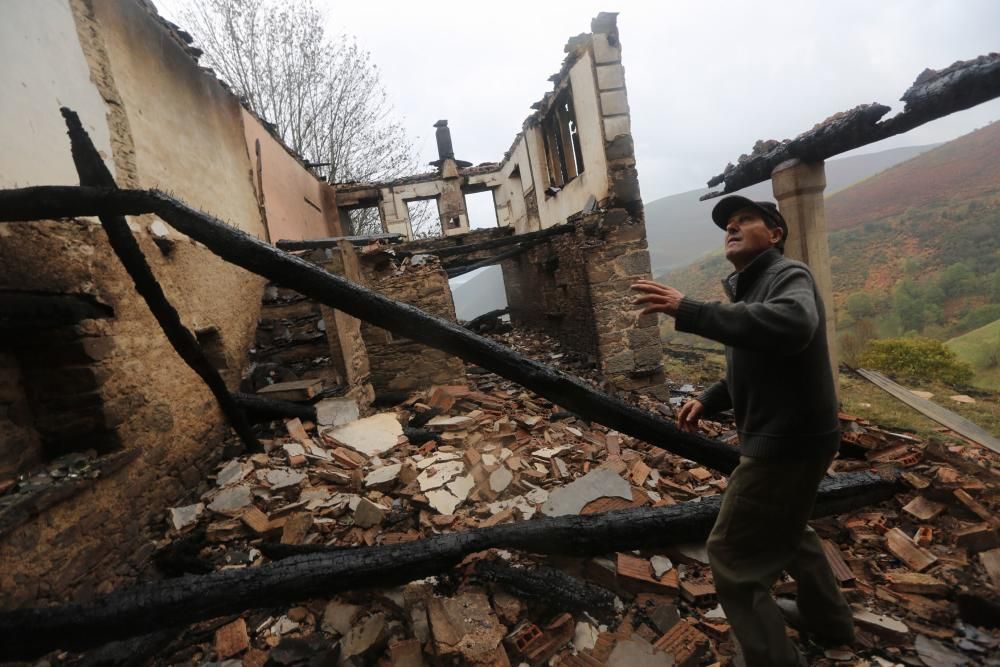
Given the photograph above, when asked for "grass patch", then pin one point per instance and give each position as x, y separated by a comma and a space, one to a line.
863, 399
980, 348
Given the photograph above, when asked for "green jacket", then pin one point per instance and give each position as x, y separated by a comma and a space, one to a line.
778, 377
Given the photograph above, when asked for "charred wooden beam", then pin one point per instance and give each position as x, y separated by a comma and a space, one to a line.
94, 172
554, 587
238, 247
486, 321
259, 408
332, 241
933, 95
469, 248
455, 271
28, 633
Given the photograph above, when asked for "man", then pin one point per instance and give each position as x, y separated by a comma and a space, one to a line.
780, 386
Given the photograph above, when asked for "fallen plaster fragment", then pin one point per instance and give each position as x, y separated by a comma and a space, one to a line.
230, 500
369, 436
282, 479
336, 411
661, 565
368, 514
637, 652
438, 475
536, 496
717, 614
232, 472
440, 457
182, 517
283, 626
500, 479
585, 636
383, 475
572, 498
462, 486
443, 501
548, 452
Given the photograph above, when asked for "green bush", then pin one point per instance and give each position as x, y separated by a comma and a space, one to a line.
916, 360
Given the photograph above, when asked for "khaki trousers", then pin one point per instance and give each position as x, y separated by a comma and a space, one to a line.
761, 530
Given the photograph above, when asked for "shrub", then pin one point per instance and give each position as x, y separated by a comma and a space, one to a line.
916, 360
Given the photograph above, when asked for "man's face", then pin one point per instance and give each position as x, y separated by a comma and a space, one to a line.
747, 235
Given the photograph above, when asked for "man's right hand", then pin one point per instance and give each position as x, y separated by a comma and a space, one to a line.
687, 418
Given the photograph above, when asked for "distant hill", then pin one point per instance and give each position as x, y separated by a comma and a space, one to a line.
959, 170
479, 294
678, 229
913, 249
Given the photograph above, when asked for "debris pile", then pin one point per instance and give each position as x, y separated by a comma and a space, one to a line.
922, 571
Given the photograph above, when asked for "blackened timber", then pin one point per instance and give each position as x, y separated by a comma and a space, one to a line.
238, 247
332, 241
93, 171
492, 243
28, 633
486, 321
933, 95
554, 587
455, 271
260, 408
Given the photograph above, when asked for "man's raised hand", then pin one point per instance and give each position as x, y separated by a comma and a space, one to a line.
658, 298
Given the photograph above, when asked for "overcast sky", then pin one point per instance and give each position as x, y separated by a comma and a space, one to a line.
705, 79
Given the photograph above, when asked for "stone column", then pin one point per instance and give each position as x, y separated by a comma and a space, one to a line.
798, 187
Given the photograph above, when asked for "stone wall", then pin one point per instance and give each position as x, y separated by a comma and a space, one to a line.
399, 364
114, 382
547, 289
575, 287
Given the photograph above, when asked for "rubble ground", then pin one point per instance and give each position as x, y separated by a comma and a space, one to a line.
497, 453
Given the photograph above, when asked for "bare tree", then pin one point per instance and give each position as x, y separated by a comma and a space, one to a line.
324, 96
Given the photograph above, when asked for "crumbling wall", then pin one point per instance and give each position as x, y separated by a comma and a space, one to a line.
399, 364
160, 115
294, 203
575, 287
547, 289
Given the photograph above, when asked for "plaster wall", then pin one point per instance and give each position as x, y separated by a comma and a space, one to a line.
44, 68
293, 199
163, 123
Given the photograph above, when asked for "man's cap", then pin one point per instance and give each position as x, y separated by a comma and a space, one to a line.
733, 203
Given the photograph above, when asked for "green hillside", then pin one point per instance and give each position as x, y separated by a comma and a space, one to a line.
981, 349
930, 269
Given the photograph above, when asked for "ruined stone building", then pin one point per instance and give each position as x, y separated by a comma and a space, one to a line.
85, 369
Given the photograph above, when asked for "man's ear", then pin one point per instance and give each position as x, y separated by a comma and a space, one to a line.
781, 235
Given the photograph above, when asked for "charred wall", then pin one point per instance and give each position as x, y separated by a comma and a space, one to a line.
399, 364
113, 382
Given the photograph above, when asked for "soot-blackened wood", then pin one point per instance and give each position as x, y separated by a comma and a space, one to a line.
486, 321
554, 587
933, 95
470, 248
455, 271
238, 247
28, 633
261, 409
92, 171
333, 241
